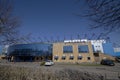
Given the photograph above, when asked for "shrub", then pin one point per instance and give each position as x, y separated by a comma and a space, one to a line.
42, 63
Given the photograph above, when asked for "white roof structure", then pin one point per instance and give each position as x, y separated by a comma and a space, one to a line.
76, 40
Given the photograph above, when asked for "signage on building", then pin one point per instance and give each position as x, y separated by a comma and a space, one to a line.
84, 40
76, 40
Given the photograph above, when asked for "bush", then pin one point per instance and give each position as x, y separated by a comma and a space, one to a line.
42, 63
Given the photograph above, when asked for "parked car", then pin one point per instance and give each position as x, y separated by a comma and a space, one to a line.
117, 59
49, 63
107, 62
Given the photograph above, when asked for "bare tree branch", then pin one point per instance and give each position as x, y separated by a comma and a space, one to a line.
105, 14
8, 23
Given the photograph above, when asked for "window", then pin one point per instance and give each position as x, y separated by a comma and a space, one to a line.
88, 58
63, 57
83, 49
96, 54
56, 57
79, 57
71, 57
67, 49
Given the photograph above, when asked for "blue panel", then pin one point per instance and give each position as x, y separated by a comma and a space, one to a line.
108, 49
0, 49
117, 53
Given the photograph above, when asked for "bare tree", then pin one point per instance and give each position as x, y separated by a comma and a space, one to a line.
8, 23
105, 14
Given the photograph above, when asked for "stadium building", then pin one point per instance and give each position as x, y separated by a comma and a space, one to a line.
67, 51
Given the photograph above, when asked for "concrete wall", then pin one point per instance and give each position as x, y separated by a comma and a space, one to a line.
58, 51
104, 56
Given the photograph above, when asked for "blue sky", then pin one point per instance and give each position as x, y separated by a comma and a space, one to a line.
46, 18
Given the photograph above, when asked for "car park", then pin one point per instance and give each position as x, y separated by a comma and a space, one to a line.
49, 63
107, 62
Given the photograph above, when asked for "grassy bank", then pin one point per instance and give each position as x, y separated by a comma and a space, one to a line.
23, 73
80, 64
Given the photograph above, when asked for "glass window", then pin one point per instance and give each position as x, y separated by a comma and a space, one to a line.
88, 58
79, 57
56, 57
71, 57
63, 57
83, 49
39, 49
67, 49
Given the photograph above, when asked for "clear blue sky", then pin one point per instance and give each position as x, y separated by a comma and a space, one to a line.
46, 18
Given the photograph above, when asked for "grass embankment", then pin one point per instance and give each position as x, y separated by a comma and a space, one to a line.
90, 65
23, 73
81, 64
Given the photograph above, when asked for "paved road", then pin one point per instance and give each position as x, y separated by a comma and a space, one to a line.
110, 72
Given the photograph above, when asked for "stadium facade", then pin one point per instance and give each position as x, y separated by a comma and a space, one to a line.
67, 51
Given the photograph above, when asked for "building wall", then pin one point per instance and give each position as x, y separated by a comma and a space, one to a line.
105, 56
1, 50
58, 51
102, 56
97, 44
117, 51
108, 49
